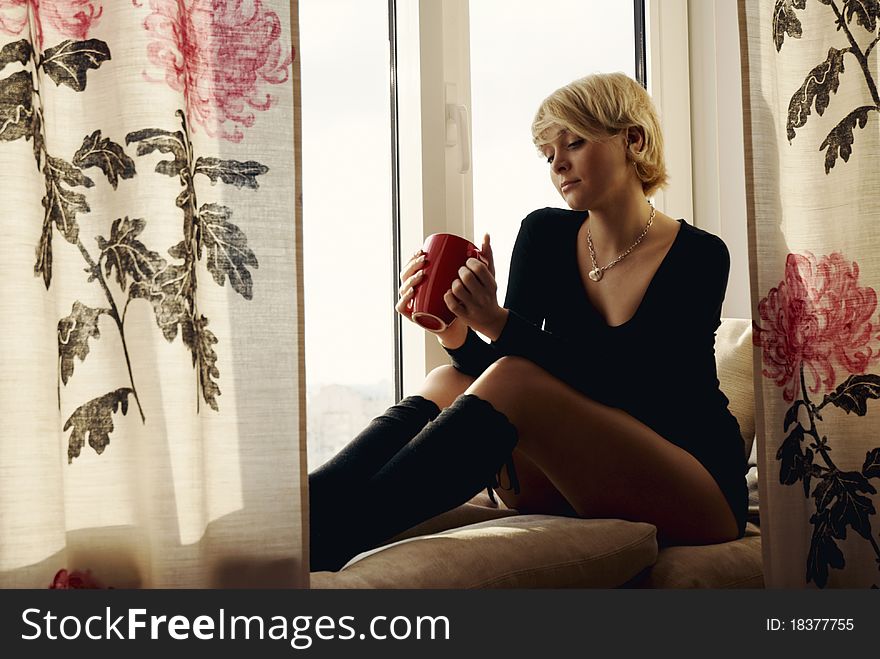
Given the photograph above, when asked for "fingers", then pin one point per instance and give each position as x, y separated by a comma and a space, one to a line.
460, 291
410, 283
486, 250
410, 277
416, 262
475, 273
453, 303
403, 304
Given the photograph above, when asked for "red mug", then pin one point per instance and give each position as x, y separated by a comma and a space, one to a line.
444, 253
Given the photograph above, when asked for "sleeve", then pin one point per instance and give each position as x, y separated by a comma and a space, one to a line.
704, 316
523, 334
686, 309
523, 296
525, 301
474, 356
702, 285
719, 284
713, 291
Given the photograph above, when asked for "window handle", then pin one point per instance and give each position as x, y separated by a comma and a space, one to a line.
461, 118
458, 115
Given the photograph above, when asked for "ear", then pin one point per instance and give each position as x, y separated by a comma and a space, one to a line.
635, 139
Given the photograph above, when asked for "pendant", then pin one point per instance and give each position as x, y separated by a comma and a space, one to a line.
595, 274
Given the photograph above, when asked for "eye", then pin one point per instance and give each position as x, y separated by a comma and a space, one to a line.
549, 160
575, 144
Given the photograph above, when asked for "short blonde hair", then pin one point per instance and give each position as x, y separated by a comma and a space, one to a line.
601, 106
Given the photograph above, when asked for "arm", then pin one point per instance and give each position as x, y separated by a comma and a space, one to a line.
516, 330
469, 353
693, 303
473, 356
702, 300
522, 335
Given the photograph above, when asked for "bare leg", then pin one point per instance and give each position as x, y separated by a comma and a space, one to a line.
537, 494
602, 460
443, 385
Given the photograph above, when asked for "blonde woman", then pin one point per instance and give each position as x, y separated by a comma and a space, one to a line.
598, 395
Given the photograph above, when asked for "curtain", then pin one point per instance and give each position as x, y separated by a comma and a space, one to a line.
152, 400
812, 133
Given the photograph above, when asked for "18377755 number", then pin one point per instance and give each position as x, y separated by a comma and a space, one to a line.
810, 624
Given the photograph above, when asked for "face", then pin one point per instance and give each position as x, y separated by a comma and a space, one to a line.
587, 172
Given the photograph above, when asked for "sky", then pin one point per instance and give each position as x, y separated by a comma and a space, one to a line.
521, 50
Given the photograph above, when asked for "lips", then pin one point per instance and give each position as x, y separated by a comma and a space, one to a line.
567, 184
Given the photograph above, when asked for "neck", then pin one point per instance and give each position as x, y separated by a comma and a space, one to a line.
614, 226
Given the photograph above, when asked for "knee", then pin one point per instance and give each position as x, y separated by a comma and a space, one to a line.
513, 369
508, 378
444, 384
513, 385
448, 376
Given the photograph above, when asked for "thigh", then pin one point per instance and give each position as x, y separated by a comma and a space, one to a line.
605, 462
537, 495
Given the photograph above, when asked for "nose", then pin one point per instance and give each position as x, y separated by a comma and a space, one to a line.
560, 163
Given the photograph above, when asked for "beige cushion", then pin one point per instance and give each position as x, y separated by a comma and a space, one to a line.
733, 356
468, 513
522, 551
734, 564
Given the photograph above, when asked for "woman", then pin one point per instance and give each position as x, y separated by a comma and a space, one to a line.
598, 395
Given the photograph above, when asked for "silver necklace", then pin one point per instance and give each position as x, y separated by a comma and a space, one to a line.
597, 272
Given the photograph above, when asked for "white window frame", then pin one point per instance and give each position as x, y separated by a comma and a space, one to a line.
718, 150
669, 85
694, 78
435, 103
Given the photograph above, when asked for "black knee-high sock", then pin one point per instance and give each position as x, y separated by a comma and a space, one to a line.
339, 482
445, 464
367, 453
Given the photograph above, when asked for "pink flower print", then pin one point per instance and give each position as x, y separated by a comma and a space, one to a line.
13, 16
819, 319
222, 55
71, 19
65, 580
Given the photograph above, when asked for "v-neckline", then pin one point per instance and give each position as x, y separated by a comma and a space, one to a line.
682, 223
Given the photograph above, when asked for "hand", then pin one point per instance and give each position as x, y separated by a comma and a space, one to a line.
473, 296
411, 276
412, 273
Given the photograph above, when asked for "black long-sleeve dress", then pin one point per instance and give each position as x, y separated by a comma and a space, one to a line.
659, 366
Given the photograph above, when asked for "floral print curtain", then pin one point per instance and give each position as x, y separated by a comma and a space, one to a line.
151, 403
812, 132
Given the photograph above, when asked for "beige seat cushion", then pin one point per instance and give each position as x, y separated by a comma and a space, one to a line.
733, 356
521, 551
734, 564
468, 513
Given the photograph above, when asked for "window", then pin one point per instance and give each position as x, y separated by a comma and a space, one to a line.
496, 59
515, 63
346, 210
